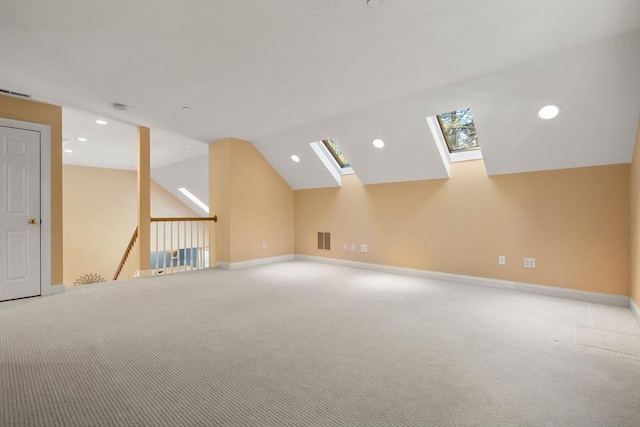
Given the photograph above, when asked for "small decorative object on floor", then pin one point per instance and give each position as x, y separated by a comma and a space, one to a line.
89, 278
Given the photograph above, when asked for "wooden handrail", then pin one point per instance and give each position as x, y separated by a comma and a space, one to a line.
196, 218
127, 251
134, 237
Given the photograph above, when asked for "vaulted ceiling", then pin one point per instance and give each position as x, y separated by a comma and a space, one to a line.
282, 74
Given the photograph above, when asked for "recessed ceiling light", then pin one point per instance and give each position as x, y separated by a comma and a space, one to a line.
101, 122
68, 151
378, 143
82, 139
295, 158
549, 111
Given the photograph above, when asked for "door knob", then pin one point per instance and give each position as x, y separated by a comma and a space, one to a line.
33, 221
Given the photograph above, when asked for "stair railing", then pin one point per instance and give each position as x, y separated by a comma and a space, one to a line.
128, 266
180, 244
177, 244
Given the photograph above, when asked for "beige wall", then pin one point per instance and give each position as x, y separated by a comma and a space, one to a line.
575, 222
220, 199
100, 214
253, 203
635, 221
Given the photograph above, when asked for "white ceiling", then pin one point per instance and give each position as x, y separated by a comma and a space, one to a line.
285, 73
597, 86
114, 145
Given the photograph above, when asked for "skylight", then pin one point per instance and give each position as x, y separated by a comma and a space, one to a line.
194, 199
332, 158
458, 130
336, 152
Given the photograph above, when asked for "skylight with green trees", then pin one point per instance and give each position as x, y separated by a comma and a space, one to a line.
336, 152
458, 130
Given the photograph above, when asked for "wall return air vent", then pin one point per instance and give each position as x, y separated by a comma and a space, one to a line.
10, 92
324, 240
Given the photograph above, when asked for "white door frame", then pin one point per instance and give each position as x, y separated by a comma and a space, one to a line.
45, 197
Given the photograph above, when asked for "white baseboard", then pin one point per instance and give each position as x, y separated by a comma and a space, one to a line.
58, 289
635, 310
52, 289
145, 273
587, 296
254, 262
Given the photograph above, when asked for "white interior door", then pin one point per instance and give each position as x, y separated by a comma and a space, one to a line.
19, 213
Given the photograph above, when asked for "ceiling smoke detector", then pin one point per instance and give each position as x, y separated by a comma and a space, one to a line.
120, 107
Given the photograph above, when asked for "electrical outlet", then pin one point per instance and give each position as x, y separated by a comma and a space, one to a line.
529, 263
264, 245
364, 248
353, 247
502, 260
346, 246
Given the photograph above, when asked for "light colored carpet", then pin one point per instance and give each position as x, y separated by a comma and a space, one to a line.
304, 344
